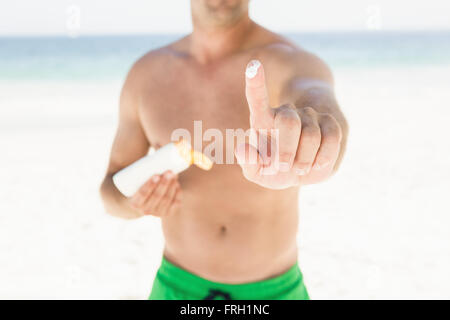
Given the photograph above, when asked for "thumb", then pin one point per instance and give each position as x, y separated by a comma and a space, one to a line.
257, 96
248, 158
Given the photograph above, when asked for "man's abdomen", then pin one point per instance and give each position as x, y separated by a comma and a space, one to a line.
230, 230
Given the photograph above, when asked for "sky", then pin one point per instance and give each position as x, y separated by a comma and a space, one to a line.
88, 17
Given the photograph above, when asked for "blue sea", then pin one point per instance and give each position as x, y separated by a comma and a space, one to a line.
109, 57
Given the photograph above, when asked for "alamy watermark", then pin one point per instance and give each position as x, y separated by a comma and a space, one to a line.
73, 20
374, 18
221, 148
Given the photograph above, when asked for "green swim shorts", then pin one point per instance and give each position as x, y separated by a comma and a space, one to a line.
174, 283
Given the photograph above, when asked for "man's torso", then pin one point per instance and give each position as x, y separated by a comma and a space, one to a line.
228, 229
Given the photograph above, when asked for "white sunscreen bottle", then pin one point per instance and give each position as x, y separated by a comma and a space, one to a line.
176, 157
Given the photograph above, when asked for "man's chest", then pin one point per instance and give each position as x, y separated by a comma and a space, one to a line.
192, 103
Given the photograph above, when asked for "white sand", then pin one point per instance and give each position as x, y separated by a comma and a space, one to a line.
379, 229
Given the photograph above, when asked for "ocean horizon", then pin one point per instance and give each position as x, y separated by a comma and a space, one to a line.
109, 57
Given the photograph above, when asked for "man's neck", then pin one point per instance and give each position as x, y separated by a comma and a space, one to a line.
212, 43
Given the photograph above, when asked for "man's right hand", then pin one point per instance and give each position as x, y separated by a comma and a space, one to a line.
160, 196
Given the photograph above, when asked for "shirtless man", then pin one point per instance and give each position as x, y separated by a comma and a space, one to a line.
229, 232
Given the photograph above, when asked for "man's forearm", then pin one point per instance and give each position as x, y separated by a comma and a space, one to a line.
115, 202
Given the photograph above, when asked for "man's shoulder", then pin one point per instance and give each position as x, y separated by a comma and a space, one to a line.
149, 69
274, 45
281, 56
152, 61
157, 60
284, 52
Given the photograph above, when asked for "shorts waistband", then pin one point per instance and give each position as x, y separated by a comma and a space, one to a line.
265, 289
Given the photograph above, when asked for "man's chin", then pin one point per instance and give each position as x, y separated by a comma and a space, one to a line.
224, 19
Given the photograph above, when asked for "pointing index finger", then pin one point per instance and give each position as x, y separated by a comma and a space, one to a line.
257, 96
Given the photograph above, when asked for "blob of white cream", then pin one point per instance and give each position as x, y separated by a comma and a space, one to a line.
252, 69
